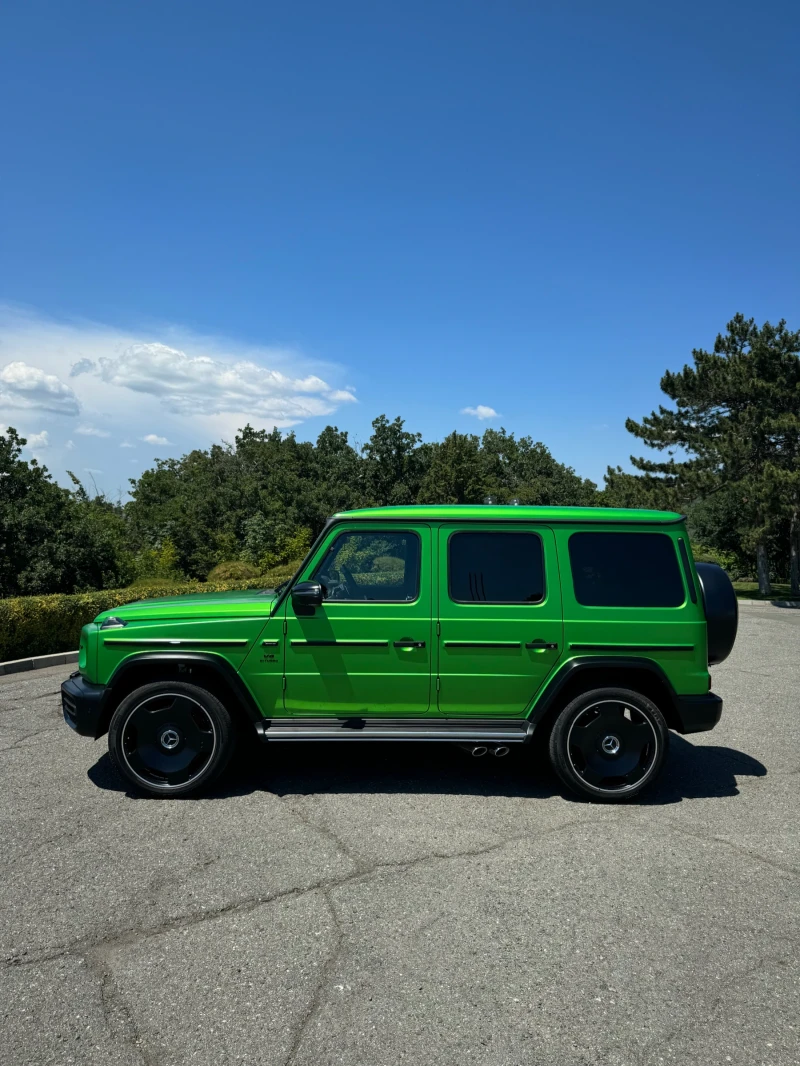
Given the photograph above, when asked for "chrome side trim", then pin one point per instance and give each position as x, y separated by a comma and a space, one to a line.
340, 643
481, 643
169, 642
479, 730
285, 733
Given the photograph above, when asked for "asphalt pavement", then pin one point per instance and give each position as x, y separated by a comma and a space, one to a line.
379, 905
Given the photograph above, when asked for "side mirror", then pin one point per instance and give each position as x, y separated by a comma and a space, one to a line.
307, 594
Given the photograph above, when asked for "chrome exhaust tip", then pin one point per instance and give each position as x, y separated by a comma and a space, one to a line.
477, 750
500, 751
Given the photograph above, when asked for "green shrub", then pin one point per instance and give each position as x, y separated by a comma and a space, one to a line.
159, 564
727, 560
158, 582
266, 546
40, 625
235, 570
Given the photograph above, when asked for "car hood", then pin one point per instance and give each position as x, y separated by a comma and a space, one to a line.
242, 604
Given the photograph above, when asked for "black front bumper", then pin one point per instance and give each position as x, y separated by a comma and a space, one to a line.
696, 714
82, 704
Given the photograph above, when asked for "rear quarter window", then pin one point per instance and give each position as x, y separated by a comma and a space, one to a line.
625, 570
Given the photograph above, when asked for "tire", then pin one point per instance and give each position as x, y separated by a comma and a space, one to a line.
170, 738
721, 610
621, 751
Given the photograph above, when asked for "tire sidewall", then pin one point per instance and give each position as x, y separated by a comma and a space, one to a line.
221, 721
559, 737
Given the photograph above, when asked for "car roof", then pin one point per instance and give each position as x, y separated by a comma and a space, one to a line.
469, 512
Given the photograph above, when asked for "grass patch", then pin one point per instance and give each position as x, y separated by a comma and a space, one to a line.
748, 590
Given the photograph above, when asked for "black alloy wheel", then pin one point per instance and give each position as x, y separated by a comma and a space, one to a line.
609, 744
170, 738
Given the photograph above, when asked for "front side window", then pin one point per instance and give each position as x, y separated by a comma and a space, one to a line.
499, 567
625, 570
376, 567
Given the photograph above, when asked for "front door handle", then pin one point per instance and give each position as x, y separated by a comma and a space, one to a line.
541, 645
409, 643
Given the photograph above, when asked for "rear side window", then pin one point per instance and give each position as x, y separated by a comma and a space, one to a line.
495, 568
625, 570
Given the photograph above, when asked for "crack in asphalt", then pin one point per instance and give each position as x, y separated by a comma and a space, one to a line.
644, 1055
28, 736
120, 1020
134, 934
98, 949
14, 700
112, 1003
98, 952
712, 838
320, 827
318, 998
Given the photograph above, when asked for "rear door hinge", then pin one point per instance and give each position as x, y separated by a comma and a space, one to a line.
438, 683
285, 627
284, 682
438, 629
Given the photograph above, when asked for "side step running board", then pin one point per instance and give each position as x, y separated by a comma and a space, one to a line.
350, 730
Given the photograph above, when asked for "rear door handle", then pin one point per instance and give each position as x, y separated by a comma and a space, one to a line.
409, 643
541, 645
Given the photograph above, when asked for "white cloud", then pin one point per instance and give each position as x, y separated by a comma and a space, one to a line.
127, 444
196, 389
199, 384
87, 430
153, 438
38, 440
70, 445
92, 470
31, 388
481, 412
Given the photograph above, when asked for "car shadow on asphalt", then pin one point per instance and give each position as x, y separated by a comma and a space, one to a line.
691, 772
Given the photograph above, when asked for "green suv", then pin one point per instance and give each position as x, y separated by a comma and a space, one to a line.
589, 630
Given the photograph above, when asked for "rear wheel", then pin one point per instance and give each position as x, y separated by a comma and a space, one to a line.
170, 738
609, 744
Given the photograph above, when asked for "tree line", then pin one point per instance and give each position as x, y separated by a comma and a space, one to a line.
730, 459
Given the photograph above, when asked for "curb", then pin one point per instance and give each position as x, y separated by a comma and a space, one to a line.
38, 662
772, 603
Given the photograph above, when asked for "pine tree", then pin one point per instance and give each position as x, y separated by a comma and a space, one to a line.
735, 424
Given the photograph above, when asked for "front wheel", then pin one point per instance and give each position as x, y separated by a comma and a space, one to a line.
609, 744
170, 738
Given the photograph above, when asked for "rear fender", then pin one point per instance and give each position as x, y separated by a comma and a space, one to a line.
580, 674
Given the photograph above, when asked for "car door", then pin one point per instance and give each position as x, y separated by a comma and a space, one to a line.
366, 651
499, 617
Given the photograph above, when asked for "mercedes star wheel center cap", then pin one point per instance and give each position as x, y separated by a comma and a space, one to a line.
610, 745
171, 739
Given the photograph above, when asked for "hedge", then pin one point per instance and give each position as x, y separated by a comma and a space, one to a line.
39, 625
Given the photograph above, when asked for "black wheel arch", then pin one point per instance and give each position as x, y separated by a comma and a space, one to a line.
582, 674
206, 670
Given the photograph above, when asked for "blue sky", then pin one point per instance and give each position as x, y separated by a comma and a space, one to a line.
308, 213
